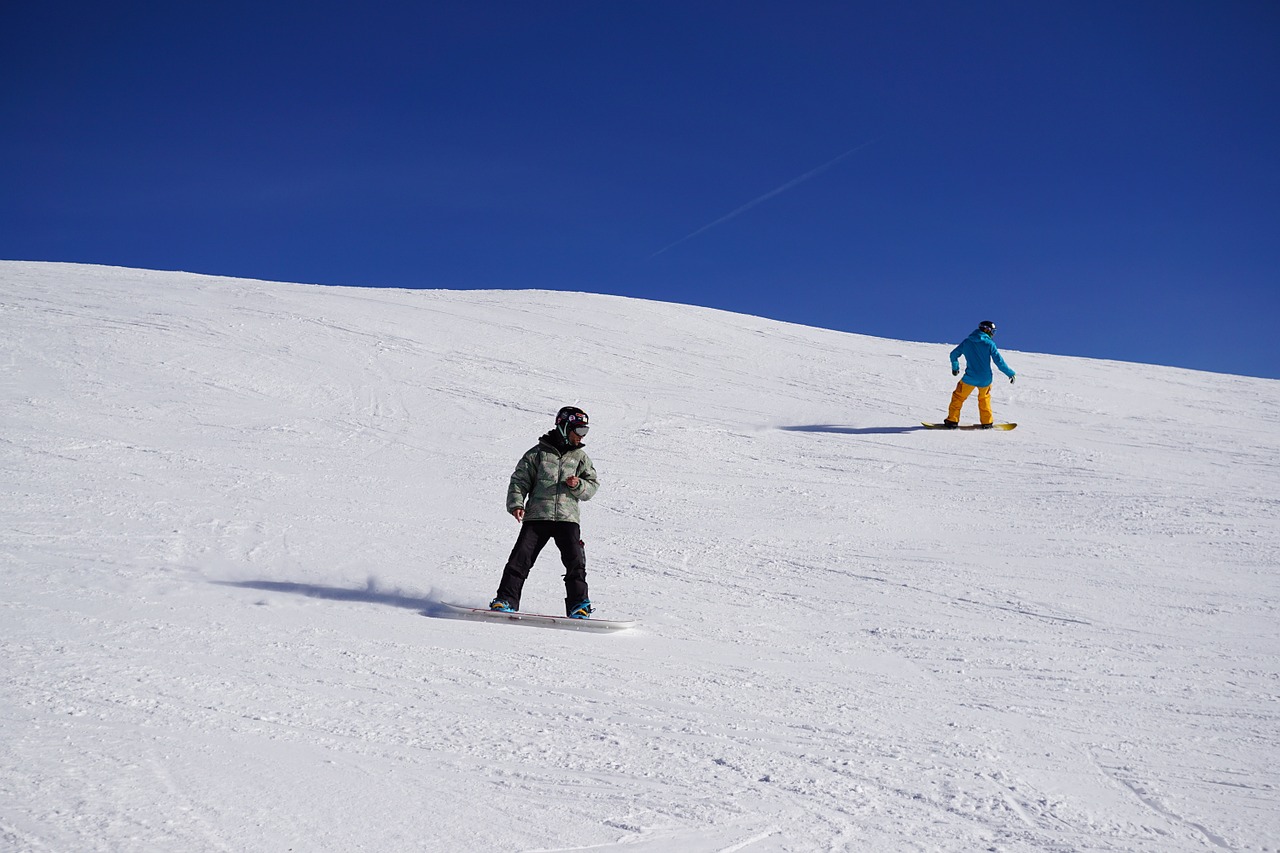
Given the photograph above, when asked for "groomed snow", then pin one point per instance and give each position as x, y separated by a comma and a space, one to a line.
230, 509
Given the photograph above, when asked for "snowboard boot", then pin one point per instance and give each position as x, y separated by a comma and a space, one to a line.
951, 424
986, 426
500, 605
581, 610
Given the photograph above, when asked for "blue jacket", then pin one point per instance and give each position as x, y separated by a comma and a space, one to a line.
979, 351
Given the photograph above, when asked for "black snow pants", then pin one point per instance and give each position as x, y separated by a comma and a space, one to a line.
533, 536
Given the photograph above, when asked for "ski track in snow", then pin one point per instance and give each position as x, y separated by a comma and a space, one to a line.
233, 507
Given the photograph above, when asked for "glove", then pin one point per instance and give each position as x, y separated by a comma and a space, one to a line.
955, 373
1011, 378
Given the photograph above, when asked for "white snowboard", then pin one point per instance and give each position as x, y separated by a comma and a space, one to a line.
540, 619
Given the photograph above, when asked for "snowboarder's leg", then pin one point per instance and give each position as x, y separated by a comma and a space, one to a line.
574, 556
984, 405
533, 536
958, 397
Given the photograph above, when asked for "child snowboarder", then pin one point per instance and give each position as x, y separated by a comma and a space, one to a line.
979, 351
546, 486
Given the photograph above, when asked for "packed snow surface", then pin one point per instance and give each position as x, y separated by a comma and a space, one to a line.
231, 509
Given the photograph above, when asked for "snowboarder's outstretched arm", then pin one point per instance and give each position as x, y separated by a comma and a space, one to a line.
999, 360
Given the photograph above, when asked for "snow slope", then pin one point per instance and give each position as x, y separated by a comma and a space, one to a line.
232, 507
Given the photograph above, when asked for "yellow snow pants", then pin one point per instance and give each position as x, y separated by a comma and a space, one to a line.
962, 393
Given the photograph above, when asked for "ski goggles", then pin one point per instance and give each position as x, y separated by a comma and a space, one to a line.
581, 431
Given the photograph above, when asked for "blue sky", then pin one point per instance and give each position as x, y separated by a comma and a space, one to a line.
1100, 178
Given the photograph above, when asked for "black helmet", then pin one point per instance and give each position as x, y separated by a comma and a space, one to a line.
572, 419
987, 327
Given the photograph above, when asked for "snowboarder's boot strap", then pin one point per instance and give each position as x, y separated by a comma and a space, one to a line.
580, 611
951, 424
986, 426
499, 604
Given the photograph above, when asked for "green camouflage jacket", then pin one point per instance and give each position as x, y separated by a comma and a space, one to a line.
538, 485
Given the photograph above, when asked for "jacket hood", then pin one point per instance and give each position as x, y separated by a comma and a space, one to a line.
553, 440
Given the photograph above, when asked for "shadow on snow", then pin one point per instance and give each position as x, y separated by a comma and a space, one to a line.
370, 594
845, 430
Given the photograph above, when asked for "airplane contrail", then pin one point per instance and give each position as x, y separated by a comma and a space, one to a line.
788, 185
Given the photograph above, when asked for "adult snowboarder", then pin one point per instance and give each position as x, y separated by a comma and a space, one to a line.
546, 486
979, 351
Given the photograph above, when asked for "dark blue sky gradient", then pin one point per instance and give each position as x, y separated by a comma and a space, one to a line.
1100, 178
